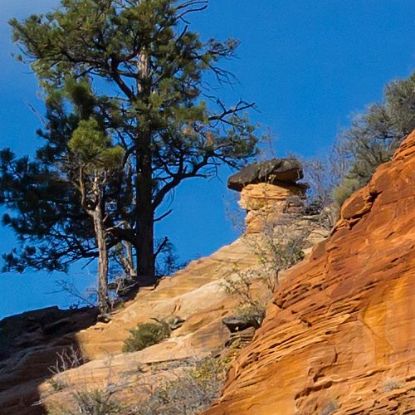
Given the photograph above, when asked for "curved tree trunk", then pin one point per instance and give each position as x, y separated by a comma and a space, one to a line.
95, 210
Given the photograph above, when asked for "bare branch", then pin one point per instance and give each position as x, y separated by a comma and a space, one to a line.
161, 246
163, 216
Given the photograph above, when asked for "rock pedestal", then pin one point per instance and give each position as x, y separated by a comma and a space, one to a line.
269, 191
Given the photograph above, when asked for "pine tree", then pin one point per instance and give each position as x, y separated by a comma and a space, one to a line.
138, 70
42, 206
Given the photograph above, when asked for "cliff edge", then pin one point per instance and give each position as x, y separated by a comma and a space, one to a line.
339, 336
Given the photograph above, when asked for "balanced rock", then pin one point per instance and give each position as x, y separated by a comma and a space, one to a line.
269, 191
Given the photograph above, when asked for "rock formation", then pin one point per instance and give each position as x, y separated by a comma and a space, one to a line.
273, 171
269, 190
195, 295
339, 336
194, 302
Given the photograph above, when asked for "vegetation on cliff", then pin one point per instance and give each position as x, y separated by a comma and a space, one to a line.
130, 73
371, 140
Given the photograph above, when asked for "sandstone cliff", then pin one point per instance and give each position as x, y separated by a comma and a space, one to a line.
36, 340
339, 336
27, 385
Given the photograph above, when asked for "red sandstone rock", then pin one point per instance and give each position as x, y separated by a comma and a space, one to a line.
339, 337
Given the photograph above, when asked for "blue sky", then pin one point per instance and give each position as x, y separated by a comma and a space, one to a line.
308, 65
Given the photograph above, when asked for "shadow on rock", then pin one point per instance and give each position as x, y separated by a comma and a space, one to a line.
30, 346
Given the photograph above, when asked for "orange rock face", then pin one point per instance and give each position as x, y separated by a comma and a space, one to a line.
339, 337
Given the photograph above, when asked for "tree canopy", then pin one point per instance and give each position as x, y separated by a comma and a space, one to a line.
375, 134
125, 87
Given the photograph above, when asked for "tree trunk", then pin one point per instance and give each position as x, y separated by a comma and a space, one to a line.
103, 300
96, 211
144, 183
145, 220
127, 260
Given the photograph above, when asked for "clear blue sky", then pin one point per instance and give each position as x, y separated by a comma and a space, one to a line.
307, 64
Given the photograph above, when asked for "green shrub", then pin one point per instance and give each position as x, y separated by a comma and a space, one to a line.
344, 190
145, 335
57, 384
369, 141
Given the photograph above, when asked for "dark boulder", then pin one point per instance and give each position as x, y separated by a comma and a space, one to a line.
273, 171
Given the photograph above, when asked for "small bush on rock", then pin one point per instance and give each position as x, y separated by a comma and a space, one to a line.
145, 335
96, 402
190, 393
330, 408
344, 190
252, 315
391, 384
281, 246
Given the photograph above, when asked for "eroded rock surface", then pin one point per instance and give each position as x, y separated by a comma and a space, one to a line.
269, 192
195, 296
267, 205
194, 300
339, 337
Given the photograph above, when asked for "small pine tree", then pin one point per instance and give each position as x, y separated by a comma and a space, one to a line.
92, 164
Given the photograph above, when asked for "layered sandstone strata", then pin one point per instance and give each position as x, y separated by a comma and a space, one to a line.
339, 337
28, 384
